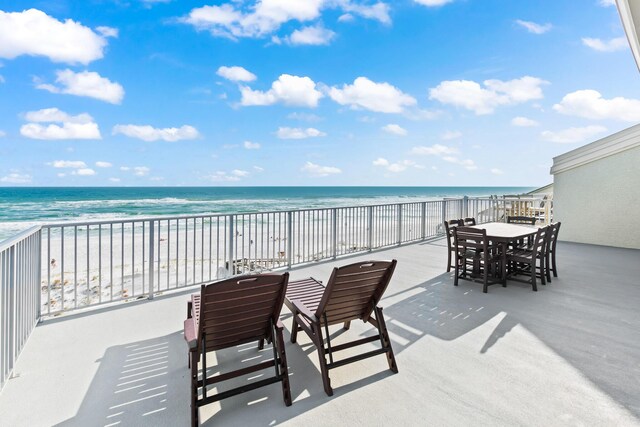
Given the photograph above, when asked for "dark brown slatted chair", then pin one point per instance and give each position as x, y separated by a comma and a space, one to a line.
230, 313
468, 222
528, 220
473, 250
353, 292
448, 228
550, 258
529, 258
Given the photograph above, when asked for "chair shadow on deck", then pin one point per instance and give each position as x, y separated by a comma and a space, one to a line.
141, 383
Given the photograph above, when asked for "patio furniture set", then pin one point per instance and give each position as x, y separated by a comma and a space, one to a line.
496, 252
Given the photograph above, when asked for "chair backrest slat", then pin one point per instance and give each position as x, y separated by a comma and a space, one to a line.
469, 221
241, 309
448, 228
470, 238
353, 291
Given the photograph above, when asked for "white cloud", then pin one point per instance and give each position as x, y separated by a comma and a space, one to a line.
73, 127
313, 35
298, 133
125, 168
114, 179
497, 171
573, 134
239, 173
74, 164
396, 167
2, 134
141, 170
378, 11
434, 150
433, 3
305, 117
103, 164
86, 83
523, 122
258, 169
236, 74
591, 105
108, 31
61, 175
265, 17
379, 97
16, 178
319, 171
288, 90
149, 133
346, 17
484, 100
466, 163
84, 172
534, 28
251, 145
607, 3
451, 134
612, 45
33, 32
395, 129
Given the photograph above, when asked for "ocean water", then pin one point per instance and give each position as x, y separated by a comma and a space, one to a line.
23, 207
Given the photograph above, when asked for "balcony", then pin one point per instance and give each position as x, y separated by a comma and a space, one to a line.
567, 354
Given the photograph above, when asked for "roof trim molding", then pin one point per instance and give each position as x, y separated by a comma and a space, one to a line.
631, 22
605, 147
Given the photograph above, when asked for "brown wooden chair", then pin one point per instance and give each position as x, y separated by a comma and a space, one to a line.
352, 292
473, 250
529, 258
451, 249
469, 222
550, 255
229, 313
528, 220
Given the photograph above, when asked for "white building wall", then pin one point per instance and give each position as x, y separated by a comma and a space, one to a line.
598, 202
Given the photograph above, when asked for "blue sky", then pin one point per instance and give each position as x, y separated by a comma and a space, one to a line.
306, 92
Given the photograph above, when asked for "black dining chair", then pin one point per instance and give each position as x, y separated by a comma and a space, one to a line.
524, 260
448, 227
473, 250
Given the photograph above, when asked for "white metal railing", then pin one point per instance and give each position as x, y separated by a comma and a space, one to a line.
19, 295
95, 262
90, 263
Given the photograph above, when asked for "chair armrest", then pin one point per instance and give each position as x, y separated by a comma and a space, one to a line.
303, 310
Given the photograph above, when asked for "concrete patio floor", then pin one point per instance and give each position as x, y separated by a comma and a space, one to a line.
566, 355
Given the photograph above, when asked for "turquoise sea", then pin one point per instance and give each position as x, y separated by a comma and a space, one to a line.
22, 207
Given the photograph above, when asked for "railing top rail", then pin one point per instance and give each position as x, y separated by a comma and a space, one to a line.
5, 244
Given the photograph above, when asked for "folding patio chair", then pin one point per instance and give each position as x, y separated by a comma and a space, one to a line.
353, 292
230, 313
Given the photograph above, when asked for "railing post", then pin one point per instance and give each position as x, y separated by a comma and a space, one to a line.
444, 212
465, 207
370, 223
231, 270
152, 257
39, 275
423, 218
12, 310
334, 232
399, 223
289, 238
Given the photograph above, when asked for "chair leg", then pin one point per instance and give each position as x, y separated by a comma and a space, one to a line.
533, 276
347, 325
547, 266
449, 262
457, 272
382, 326
284, 369
319, 341
261, 344
553, 260
543, 276
485, 273
193, 357
294, 329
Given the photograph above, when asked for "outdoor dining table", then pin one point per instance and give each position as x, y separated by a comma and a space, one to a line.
502, 234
